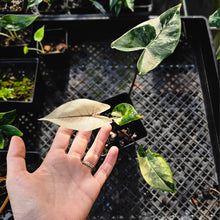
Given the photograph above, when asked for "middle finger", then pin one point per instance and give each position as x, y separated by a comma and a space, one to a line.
80, 143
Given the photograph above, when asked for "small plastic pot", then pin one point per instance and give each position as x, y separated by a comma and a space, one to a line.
55, 42
18, 80
126, 135
14, 48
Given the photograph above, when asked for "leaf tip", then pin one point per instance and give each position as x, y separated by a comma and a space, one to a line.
112, 45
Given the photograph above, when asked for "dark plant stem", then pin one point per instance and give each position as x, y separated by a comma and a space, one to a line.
24, 7
133, 82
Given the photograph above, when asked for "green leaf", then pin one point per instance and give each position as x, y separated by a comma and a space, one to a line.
214, 19
25, 49
1, 141
117, 5
17, 22
155, 170
6, 93
218, 57
98, 6
10, 130
32, 3
112, 3
130, 4
39, 34
158, 38
7, 117
124, 113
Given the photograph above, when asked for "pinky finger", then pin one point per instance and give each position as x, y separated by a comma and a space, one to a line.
106, 168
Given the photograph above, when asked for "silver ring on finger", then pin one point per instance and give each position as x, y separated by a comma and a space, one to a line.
88, 164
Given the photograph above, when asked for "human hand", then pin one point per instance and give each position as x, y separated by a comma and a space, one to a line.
62, 187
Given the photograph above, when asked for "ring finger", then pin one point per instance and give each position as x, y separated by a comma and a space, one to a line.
95, 151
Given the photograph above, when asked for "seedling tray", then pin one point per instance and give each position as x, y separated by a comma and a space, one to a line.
179, 102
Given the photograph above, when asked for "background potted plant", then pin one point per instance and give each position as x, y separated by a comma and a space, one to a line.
127, 6
15, 33
50, 41
18, 79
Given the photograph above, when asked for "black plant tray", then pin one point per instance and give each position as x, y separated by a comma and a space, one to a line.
179, 102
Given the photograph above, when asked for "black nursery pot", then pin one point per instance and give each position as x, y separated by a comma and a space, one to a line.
55, 39
18, 80
14, 48
123, 136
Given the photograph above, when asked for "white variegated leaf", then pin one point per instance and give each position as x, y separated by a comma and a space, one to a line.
157, 37
80, 114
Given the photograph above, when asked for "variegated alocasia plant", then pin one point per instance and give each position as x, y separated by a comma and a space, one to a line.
157, 38
84, 115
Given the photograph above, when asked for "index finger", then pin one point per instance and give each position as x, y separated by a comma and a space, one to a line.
62, 139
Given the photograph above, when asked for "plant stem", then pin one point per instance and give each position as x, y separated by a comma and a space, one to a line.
218, 50
12, 35
36, 49
133, 82
15, 34
6, 35
42, 48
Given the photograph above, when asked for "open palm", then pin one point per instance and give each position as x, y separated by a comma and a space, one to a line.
62, 187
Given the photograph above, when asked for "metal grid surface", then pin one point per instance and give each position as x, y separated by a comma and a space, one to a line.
171, 101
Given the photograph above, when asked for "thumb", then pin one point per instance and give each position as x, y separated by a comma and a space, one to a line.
15, 156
